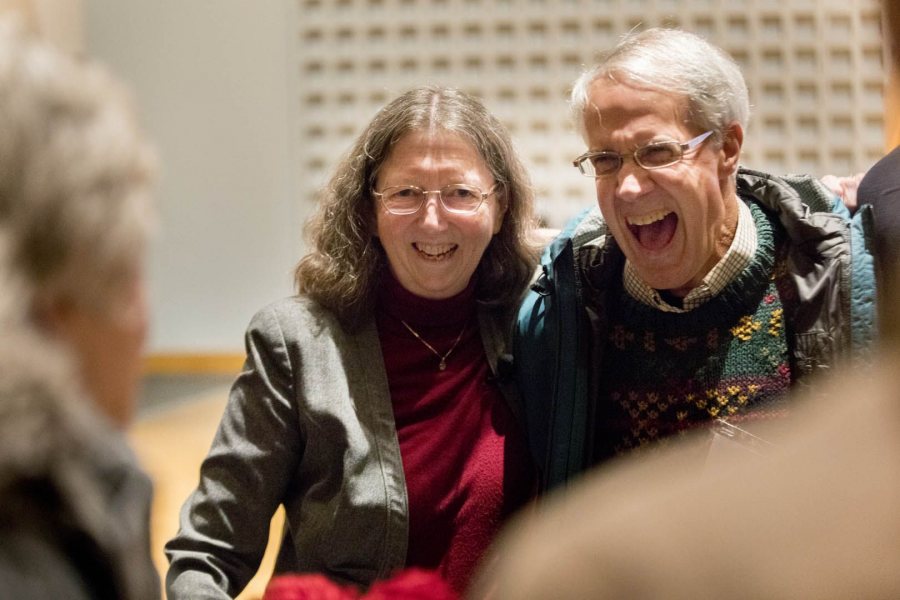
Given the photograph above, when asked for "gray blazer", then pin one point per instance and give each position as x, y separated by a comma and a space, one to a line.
309, 424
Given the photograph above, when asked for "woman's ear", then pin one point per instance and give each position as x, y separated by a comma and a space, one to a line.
502, 205
732, 142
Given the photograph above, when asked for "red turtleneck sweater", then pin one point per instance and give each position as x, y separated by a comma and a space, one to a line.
464, 453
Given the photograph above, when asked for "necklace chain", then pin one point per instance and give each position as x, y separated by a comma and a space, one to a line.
443, 364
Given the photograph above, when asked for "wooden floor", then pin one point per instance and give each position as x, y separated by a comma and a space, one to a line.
171, 442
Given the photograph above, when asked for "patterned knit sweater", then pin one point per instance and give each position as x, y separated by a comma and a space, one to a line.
665, 373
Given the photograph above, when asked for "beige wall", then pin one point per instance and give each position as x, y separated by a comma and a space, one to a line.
59, 21
24, 8
892, 62
212, 82
892, 112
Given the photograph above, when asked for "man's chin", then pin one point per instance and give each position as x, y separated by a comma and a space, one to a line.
666, 284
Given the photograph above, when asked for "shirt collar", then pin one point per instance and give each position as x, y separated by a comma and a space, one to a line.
735, 260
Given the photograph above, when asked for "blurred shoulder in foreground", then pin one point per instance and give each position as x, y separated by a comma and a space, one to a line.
814, 516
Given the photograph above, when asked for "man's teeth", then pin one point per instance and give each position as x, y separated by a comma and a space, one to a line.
648, 218
435, 249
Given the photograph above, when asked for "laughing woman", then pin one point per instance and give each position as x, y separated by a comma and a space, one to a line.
371, 405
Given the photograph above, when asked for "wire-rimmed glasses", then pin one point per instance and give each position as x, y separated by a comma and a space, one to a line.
456, 198
654, 155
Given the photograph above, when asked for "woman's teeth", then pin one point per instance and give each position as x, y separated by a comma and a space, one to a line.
435, 251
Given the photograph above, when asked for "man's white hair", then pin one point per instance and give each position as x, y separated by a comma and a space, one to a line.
674, 62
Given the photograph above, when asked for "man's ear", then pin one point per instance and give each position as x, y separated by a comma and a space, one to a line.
733, 140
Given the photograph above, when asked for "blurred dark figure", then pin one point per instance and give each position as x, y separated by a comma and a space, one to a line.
880, 187
75, 211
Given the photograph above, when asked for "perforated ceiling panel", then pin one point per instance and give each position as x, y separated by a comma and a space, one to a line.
814, 68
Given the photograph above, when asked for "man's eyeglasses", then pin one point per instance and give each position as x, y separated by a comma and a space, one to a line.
455, 198
654, 155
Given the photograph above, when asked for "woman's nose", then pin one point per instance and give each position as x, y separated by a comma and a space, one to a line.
433, 211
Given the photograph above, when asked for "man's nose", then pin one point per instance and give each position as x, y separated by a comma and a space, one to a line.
631, 181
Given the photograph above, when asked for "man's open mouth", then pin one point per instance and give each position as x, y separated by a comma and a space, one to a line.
655, 230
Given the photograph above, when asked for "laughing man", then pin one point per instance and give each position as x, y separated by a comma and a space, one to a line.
700, 290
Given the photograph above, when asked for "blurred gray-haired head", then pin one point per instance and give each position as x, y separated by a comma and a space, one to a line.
76, 179
673, 62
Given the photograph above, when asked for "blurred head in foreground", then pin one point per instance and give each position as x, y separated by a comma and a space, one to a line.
75, 214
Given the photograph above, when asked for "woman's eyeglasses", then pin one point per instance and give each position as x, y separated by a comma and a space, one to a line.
455, 198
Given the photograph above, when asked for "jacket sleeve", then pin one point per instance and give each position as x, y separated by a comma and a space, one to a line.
224, 524
864, 286
534, 371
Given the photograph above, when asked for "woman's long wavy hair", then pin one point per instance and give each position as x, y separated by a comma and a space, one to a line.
343, 269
